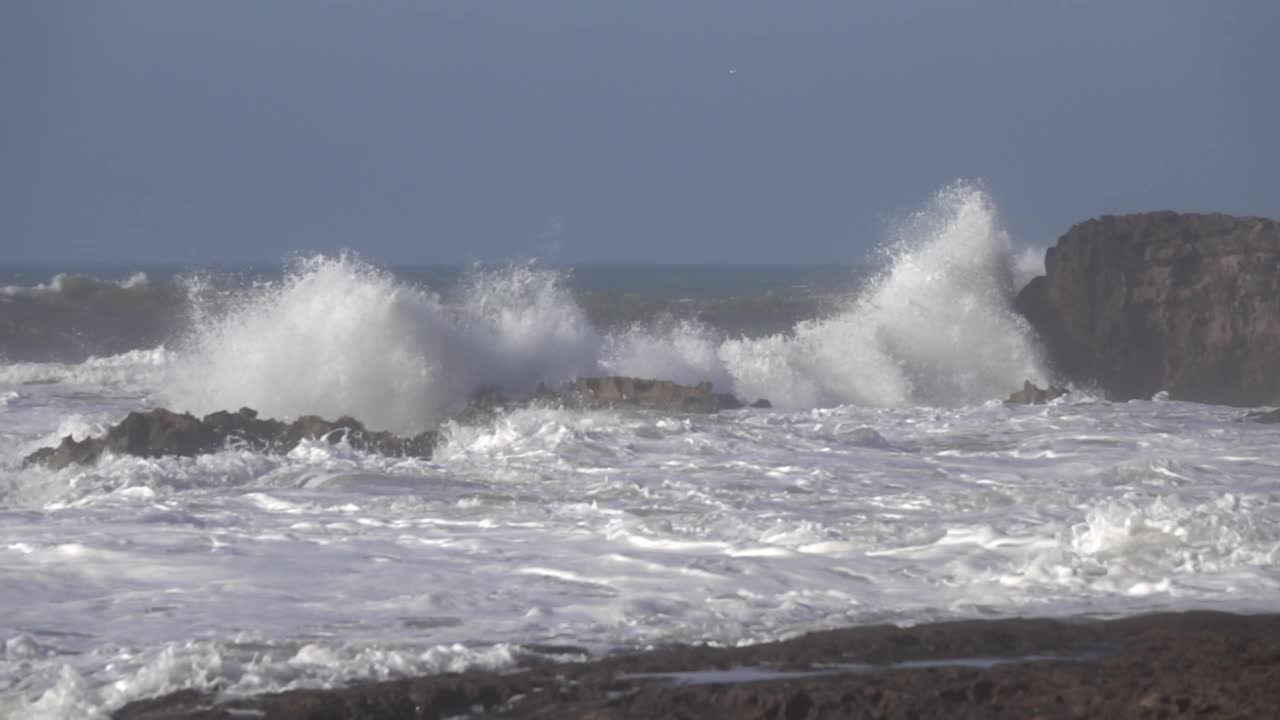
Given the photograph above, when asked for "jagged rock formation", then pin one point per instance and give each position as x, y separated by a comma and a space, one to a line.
162, 432
1164, 301
1030, 394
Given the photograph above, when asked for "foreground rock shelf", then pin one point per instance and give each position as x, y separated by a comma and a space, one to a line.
161, 432
1195, 664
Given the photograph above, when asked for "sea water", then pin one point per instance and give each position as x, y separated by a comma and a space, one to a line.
887, 483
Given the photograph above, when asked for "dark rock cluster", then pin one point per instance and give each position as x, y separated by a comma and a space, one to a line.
1186, 303
162, 432
1031, 394
654, 394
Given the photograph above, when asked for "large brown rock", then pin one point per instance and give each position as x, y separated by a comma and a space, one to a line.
161, 432
1164, 301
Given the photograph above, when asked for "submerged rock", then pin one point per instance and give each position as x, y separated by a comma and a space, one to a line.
654, 394
608, 392
68, 452
162, 432
1030, 394
1187, 302
1266, 417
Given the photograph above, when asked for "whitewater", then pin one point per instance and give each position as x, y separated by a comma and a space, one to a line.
888, 482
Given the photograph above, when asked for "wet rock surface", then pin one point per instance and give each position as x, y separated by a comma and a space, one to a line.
1187, 303
596, 393
1031, 394
653, 394
162, 432
1195, 664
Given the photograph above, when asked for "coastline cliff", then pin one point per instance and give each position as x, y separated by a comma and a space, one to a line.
1187, 303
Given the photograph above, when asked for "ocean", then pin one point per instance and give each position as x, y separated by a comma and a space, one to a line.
888, 482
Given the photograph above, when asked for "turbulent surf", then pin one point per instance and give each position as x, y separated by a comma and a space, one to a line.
886, 484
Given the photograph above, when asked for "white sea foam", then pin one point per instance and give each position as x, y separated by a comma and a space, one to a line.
622, 529
234, 668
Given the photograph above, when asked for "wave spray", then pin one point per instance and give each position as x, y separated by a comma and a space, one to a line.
337, 336
936, 327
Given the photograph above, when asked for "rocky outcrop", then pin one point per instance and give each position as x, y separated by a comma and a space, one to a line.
652, 394
1030, 394
162, 432
1164, 301
596, 393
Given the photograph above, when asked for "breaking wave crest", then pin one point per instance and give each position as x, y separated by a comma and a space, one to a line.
937, 327
337, 336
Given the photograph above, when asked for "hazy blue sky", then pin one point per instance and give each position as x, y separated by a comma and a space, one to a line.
596, 131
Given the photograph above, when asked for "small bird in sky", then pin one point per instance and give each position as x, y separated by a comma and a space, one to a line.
733, 71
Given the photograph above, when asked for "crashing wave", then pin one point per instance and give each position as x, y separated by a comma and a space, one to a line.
337, 336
